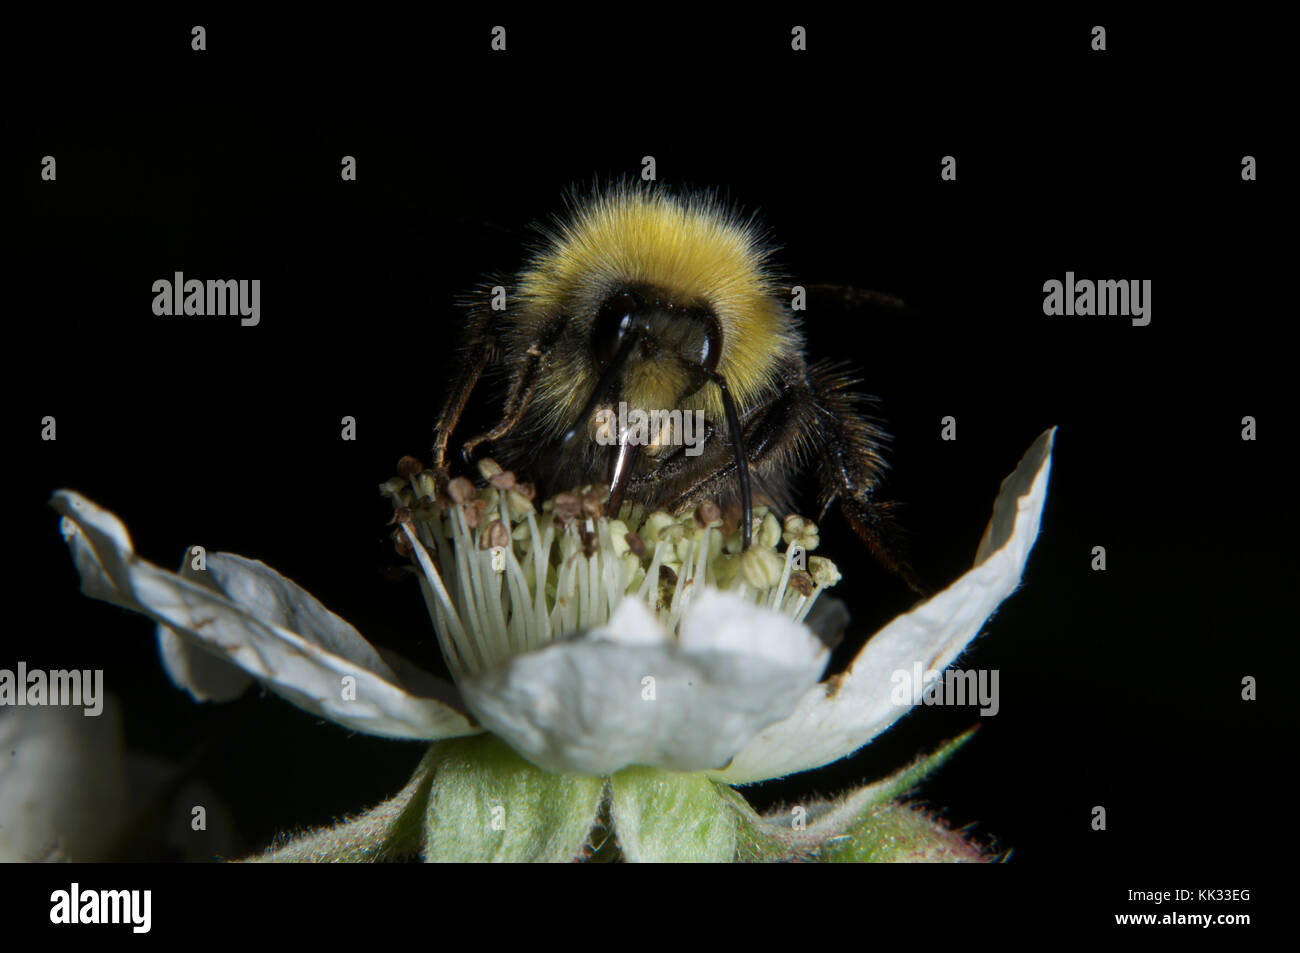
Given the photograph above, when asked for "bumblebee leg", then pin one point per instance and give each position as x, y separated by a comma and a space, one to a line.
481, 348
772, 438
813, 419
516, 403
522, 387
850, 467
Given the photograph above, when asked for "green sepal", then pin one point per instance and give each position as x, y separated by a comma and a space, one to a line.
486, 803
901, 834
862, 825
389, 831
660, 816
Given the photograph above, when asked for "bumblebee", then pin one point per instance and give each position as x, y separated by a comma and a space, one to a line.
646, 301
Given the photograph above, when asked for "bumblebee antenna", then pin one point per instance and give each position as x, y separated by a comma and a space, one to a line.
603, 385
627, 452
742, 463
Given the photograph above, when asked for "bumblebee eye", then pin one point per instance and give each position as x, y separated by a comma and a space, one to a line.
712, 349
612, 321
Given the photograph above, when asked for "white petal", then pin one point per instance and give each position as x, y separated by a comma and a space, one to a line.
207, 677
585, 705
833, 720
63, 787
306, 667
275, 600
631, 624
732, 625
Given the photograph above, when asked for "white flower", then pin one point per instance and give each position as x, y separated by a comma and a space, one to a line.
592, 652
63, 782
71, 791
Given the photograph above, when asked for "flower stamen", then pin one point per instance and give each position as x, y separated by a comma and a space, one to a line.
496, 584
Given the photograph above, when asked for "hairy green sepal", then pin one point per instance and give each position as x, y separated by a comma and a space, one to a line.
866, 825
662, 816
488, 804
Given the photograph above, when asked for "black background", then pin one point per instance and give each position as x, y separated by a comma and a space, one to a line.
1119, 688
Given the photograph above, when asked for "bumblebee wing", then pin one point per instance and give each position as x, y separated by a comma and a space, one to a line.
848, 297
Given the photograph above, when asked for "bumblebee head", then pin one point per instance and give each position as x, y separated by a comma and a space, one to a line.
653, 350
661, 296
